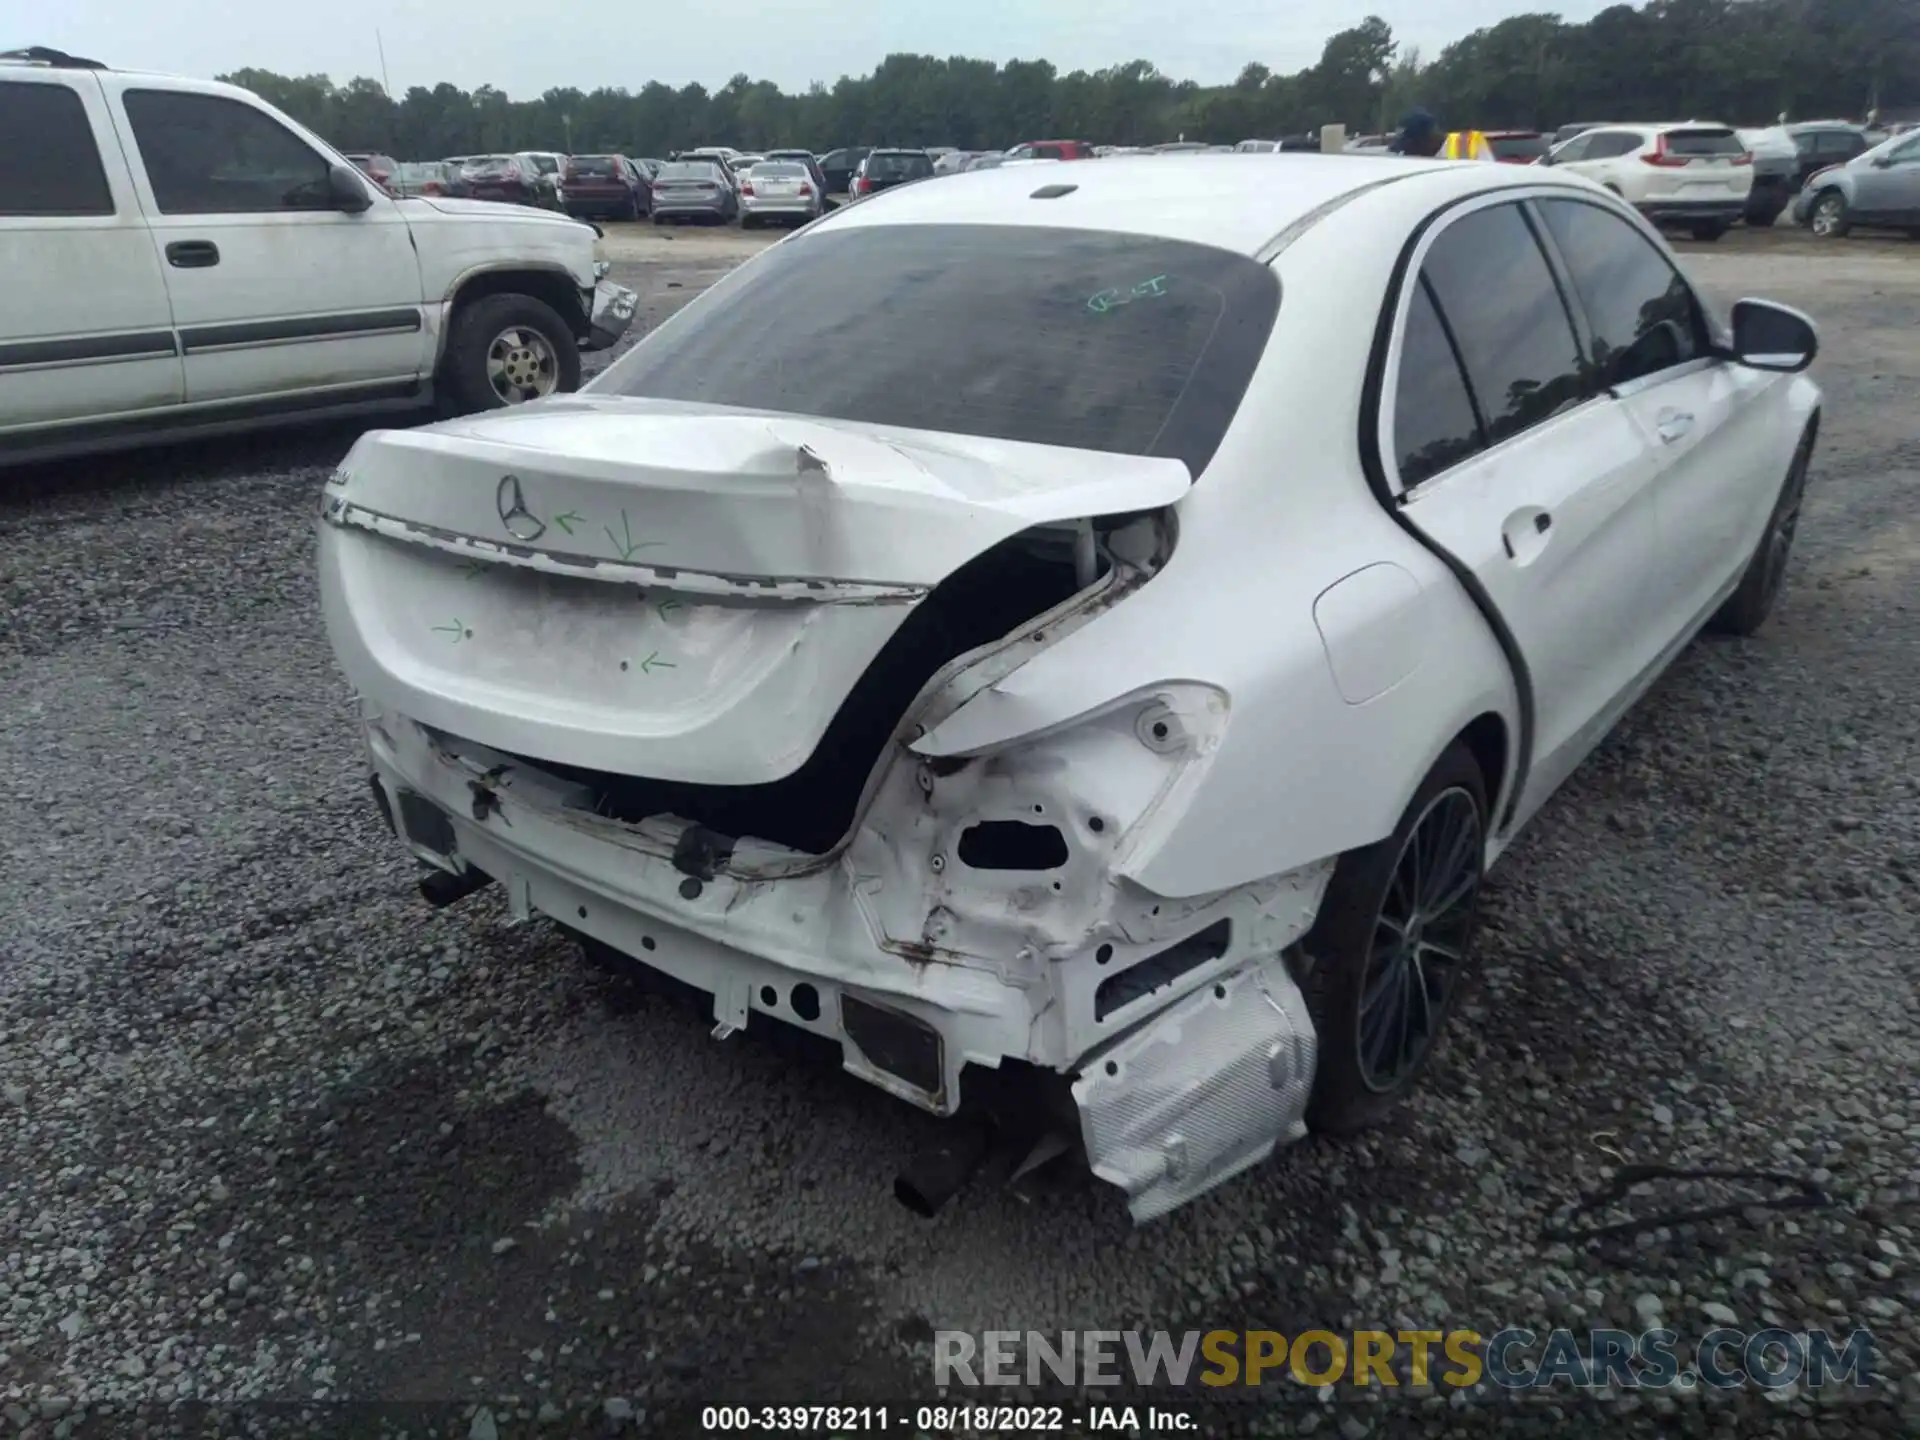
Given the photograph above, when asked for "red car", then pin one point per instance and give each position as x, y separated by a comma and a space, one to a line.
377, 168
606, 185
502, 177
1051, 150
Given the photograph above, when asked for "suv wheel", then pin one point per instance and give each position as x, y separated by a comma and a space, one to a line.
507, 349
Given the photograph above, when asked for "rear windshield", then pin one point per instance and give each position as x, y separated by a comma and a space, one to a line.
1517, 147
897, 167
1703, 142
686, 171
490, 165
1099, 341
593, 165
545, 164
778, 171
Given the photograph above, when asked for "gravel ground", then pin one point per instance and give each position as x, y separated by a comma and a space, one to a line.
275, 1132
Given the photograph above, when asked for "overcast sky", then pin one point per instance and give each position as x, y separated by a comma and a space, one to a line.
525, 49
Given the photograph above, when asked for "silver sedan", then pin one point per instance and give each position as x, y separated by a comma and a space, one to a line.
778, 190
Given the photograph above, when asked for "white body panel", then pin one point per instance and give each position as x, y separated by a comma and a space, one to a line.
114, 327
84, 278
1207, 734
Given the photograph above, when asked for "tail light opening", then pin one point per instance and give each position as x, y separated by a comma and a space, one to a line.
746, 187
806, 190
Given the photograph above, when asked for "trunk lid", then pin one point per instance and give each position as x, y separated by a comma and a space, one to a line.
655, 589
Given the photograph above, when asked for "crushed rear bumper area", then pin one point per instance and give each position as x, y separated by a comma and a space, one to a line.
1201, 1075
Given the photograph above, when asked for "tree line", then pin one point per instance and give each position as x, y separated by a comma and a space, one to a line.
1741, 61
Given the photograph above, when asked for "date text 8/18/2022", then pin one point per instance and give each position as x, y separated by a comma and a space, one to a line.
932, 1422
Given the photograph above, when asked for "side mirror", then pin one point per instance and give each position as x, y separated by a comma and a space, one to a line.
1767, 336
1881, 162
346, 192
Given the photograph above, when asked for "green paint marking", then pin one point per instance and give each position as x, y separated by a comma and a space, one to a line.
624, 543
472, 568
653, 662
567, 521
1107, 300
456, 630
667, 606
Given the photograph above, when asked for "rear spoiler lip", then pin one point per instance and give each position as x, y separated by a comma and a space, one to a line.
343, 514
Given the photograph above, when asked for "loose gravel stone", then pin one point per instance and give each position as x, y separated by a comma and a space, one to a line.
269, 1121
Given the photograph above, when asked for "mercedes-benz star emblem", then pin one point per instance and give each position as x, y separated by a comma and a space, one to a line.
520, 522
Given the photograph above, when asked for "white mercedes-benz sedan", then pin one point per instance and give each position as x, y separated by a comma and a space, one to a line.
1078, 641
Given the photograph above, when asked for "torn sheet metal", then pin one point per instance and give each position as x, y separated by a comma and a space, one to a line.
612, 315
1202, 1091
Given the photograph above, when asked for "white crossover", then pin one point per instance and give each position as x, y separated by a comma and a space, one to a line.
1076, 638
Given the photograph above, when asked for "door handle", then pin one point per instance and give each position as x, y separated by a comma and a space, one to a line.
1514, 538
1672, 424
192, 254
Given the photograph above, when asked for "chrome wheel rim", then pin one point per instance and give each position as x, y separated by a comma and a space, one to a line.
1826, 216
522, 365
1419, 943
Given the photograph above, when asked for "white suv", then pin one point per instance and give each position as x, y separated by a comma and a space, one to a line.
1696, 175
181, 259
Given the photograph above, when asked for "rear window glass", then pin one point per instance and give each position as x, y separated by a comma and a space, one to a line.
593, 165
1089, 339
1517, 147
897, 167
778, 172
490, 165
545, 164
688, 172
1703, 142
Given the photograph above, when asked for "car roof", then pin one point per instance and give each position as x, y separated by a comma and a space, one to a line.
1206, 199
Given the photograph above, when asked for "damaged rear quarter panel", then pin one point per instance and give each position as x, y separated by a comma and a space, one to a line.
1282, 513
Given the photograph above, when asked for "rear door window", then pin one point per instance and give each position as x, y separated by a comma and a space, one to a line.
1491, 280
49, 163
1642, 313
1090, 339
1435, 425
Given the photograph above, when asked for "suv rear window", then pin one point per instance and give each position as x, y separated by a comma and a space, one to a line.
594, 165
1098, 341
882, 166
1517, 147
1703, 142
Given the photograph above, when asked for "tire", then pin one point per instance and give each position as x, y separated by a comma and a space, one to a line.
659, 219
1709, 231
631, 210
748, 222
1346, 954
1828, 218
1747, 609
485, 325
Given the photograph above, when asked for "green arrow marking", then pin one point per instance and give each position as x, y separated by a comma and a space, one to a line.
567, 521
666, 607
624, 542
473, 568
653, 662
458, 631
